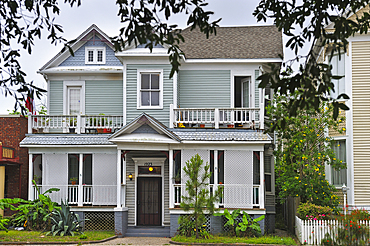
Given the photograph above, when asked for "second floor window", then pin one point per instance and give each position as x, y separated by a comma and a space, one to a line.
95, 55
150, 90
339, 70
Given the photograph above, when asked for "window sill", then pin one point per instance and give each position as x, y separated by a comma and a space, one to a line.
150, 107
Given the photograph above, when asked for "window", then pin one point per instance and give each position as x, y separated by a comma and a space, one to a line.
95, 55
150, 88
256, 167
268, 172
339, 70
74, 97
339, 177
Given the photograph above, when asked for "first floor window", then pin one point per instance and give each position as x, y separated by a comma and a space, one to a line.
339, 177
268, 172
150, 89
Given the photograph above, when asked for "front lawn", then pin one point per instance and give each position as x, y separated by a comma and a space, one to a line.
36, 236
251, 240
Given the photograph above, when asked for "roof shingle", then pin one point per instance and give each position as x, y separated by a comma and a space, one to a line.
245, 42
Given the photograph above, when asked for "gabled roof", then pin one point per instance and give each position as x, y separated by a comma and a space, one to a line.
79, 41
140, 121
244, 42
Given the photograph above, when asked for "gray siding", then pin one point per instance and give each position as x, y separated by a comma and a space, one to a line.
104, 97
130, 185
79, 55
56, 98
160, 114
203, 89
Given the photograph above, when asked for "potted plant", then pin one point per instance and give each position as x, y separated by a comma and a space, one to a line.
177, 178
72, 125
73, 180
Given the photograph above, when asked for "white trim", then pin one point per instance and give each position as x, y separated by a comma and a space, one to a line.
95, 50
249, 211
156, 162
66, 146
119, 174
227, 142
349, 128
82, 70
30, 177
67, 84
216, 60
175, 80
138, 94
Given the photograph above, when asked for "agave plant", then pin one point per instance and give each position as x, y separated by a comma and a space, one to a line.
65, 222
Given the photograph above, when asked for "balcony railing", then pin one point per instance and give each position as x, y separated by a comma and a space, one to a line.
74, 123
217, 117
91, 194
234, 195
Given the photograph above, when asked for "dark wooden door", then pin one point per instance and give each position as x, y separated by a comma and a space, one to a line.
149, 201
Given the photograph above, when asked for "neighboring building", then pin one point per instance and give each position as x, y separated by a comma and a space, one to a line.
353, 146
121, 169
13, 159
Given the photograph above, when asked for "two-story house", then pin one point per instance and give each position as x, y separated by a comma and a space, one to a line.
120, 130
353, 145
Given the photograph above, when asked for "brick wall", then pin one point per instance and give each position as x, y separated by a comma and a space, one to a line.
13, 129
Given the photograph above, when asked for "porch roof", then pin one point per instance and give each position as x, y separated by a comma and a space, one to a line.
62, 139
220, 135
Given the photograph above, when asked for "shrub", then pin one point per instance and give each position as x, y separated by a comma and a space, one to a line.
65, 222
249, 227
186, 226
309, 211
360, 214
231, 220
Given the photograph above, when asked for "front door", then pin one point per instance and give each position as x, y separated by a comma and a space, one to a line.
149, 201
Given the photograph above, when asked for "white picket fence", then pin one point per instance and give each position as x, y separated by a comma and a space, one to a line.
311, 232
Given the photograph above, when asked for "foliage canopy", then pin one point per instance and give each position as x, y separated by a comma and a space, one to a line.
303, 149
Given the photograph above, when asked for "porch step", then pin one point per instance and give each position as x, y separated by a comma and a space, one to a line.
148, 231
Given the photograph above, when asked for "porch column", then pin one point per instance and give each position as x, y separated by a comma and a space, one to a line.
119, 174
80, 188
2, 185
215, 173
262, 182
170, 181
30, 173
262, 108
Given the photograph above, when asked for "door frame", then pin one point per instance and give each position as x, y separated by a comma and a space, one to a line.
159, 183
155, 162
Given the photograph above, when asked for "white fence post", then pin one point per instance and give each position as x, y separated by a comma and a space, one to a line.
78, 130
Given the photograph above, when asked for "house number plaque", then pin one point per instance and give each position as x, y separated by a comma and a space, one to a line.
148, 164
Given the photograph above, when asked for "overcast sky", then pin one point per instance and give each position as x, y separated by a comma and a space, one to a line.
103, 13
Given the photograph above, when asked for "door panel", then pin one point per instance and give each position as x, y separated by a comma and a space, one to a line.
149, 201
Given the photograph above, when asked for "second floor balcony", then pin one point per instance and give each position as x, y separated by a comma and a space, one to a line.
252, 118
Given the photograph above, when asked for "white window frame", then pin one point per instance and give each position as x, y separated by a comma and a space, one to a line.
143, 71
95, 50
66, 86
336, 82
330, 169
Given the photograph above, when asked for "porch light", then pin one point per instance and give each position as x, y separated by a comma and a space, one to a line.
130, 176
150, 169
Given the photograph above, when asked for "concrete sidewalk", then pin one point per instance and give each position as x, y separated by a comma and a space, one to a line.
137, 241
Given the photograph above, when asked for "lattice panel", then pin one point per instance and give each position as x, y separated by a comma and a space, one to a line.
55, 175
99, 221
207, 223
104, 179
238, 187
104, 169
228, 228
238, 167
187, 154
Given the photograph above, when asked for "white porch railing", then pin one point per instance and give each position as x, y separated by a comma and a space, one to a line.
74, 123
214, 117
91, 195
311, 232
234, 195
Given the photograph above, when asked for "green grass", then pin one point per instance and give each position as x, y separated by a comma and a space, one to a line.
36, 236
251, 240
